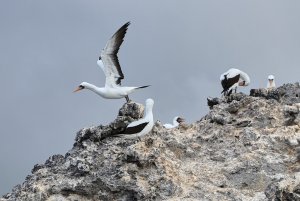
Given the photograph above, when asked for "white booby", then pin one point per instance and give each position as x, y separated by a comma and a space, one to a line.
271, 82
142, 126
176, 121
233, 78
109, 63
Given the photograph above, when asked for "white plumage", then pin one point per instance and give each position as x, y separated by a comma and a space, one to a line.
233, 78
109, 63
176, 121
142, 126
271, 82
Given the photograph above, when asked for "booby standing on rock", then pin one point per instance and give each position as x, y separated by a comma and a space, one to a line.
109, 63
233, 78
142, 126
271, 82
176, 121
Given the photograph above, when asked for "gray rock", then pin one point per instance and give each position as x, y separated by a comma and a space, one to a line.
212, 101
287, 94
266, 93
284, 189
245, 148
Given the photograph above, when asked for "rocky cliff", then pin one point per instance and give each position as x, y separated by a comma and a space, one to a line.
245, 148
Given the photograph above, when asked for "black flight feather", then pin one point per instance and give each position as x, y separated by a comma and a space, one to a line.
135, 129
229, 82
116, 41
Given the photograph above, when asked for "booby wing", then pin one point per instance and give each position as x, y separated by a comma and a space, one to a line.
108, 56
229, 80
134, 129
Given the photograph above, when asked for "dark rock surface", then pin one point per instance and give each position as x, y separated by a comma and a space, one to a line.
245, 148
287, 94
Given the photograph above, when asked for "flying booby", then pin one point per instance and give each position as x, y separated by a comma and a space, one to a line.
109, 63
233, 78
271, 82
176, 121
142, 126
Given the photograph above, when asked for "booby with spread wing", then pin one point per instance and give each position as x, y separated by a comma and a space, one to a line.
142, 126
233, 78
176, 121
109, 63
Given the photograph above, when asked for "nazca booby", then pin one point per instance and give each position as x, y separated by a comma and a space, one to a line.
109, 63
271, 82
233, 78
142, 126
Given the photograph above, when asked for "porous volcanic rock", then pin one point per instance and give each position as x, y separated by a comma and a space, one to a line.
245, 148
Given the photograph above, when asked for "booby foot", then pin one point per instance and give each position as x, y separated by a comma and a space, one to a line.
127, 99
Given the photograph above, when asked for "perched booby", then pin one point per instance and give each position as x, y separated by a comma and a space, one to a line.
233, 78
176, 121
271, 82
109, 63
142, 126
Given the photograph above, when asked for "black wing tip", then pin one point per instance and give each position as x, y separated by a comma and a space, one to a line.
125, 26
127, 23
119, 36
144, 86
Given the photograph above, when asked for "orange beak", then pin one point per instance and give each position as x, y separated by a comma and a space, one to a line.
78, 89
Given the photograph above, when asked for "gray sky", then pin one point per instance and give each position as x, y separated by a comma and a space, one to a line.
179, 47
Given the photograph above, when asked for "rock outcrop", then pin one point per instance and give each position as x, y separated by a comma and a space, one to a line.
245, 148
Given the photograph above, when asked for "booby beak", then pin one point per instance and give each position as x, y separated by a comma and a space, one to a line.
78, 89
242, 83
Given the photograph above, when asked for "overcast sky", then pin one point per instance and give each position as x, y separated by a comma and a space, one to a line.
48, 48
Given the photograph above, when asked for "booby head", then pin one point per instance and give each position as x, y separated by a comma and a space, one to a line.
149, 105
149, 102
271, 77
83, 85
